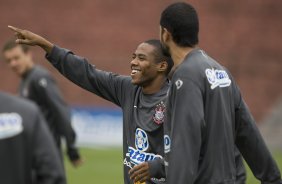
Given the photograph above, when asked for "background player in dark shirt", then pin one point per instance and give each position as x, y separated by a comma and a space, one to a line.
27, 149
201, 138
39, 86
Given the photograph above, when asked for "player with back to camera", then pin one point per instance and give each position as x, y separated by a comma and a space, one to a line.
203, 136
28, 151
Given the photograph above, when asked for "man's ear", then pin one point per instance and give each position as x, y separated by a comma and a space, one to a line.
166, 36
162, 66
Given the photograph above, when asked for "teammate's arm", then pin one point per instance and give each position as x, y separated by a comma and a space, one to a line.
252, 146
107, 85
185, 135
46, 160
49, 93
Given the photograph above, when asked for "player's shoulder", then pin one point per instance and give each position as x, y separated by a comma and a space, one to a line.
41, 76
15, 103
40, 72
193, 66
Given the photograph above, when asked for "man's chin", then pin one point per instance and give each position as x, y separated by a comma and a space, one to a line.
18, 73
134, 82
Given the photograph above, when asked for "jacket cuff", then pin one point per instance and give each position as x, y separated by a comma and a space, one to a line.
156, 168
73, 154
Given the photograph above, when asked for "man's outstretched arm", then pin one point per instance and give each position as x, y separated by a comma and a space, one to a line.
107, 85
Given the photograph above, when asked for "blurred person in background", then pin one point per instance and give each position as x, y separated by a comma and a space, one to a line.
203, 136
28, 154
142, 96
39, 86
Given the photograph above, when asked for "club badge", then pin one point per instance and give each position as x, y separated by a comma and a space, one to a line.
159, 113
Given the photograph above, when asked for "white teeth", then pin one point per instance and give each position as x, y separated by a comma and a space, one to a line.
134, 71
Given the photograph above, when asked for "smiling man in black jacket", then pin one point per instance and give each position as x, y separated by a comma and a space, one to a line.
141, 96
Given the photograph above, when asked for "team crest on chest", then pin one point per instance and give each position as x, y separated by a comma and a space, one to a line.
159, 113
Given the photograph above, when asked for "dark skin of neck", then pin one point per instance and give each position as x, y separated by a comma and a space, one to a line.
154, 86
179, 53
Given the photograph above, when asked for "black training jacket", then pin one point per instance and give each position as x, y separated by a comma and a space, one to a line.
27, 150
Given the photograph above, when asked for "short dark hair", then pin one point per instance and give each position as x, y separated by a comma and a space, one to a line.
159, 54
12, 44
181, 20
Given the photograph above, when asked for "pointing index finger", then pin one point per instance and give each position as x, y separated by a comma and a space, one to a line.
14, 29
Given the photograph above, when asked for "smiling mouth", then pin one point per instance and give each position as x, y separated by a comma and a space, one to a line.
134, 71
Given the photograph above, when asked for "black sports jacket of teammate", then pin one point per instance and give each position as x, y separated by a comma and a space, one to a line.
38, 86
200, 139
27, 149
143, 115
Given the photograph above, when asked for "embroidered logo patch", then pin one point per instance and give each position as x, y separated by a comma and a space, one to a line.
43, 82
141, 140
10, 125
217, 78
159, 113
166, 144
178, 83
137, 157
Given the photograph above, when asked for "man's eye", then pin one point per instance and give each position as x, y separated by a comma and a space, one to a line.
141, 59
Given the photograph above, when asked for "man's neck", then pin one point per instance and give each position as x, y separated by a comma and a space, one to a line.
28, 69
154, 87
179, 53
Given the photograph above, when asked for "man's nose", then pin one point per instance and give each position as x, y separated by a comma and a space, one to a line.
134, 62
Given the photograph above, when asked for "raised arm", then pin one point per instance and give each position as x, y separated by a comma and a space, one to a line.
107, 85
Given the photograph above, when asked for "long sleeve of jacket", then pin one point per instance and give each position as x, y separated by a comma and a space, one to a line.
53, 99
252, 146
46, 161
240, 168
186, 126
107, 85
157, 168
